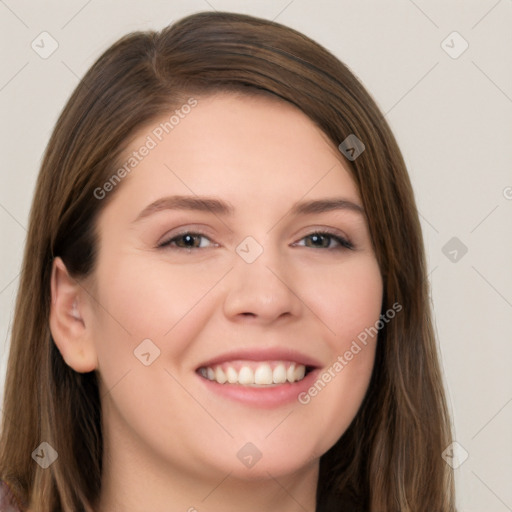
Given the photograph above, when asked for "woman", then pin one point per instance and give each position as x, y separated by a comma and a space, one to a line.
224, 300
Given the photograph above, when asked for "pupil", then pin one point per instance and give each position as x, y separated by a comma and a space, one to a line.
188, 239
318, 239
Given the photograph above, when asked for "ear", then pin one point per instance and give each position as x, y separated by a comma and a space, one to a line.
70, 329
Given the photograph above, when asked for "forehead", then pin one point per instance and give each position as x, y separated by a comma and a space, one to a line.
242, 147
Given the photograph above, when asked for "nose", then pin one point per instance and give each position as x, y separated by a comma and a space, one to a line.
262, 291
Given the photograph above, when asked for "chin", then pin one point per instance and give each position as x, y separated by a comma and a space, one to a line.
247, 464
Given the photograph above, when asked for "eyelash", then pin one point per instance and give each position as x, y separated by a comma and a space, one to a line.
343, 242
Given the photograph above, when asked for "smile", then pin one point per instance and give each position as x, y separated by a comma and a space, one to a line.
255, 373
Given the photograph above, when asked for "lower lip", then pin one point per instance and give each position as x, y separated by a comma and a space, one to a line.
263, 397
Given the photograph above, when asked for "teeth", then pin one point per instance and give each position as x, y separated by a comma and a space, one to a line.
231, 375
279, 374
246, 375
220, 376
263, 374
300, 371
255, 374
290, 373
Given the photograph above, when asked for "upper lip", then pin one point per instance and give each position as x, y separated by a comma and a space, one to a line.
263, 354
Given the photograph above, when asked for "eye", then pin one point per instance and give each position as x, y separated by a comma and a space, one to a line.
189, 240
324, 239
186, 240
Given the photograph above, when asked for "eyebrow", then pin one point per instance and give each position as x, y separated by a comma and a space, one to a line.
218, 207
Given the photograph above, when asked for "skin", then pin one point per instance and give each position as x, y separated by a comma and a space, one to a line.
171, 444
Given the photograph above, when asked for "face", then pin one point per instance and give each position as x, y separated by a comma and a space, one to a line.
224, 319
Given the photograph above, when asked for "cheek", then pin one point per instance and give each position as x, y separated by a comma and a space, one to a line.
349, 304
348, 298
141, 298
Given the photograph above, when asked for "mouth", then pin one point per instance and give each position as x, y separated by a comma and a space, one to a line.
261, 378
249, 373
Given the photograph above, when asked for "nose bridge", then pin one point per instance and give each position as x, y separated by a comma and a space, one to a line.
258, 284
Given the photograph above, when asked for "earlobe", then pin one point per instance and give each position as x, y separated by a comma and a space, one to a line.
70, 331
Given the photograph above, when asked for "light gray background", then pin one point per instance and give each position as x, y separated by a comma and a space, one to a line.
451, 116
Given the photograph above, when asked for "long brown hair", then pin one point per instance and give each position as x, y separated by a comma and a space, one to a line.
389, 459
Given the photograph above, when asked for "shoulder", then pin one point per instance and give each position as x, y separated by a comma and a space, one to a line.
8, 502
